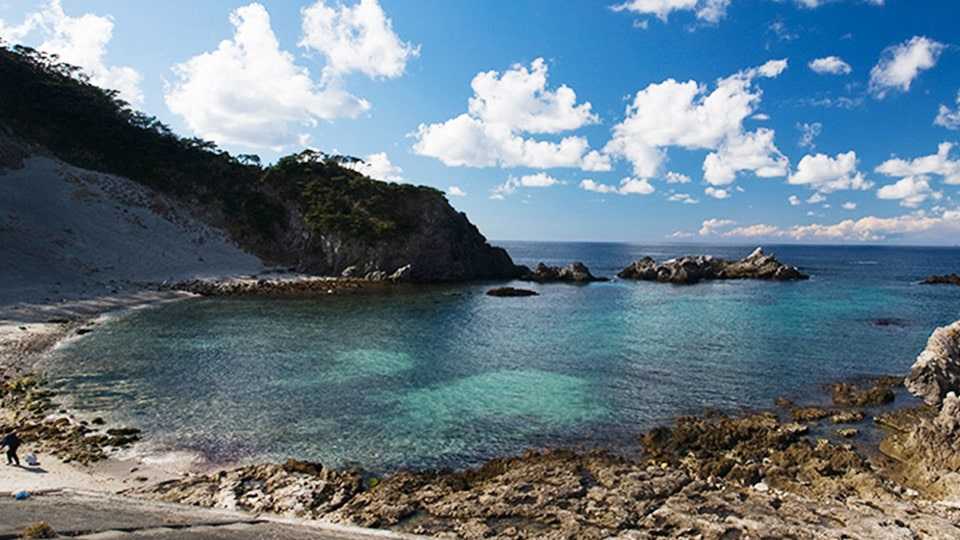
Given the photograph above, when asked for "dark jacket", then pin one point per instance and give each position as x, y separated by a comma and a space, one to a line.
11, 441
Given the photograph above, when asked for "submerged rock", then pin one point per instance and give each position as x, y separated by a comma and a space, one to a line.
948, 279
690, 270
876, 392
937, 370
575, 272
511, 292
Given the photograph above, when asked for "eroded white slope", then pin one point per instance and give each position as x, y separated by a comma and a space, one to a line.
70, 233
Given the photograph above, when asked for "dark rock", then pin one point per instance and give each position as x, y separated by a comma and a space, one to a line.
511, 292
809, 414
877, 392
575, 272
890, 322
690, 270
948, 279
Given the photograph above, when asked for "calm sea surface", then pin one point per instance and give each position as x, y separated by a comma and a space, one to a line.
448, 376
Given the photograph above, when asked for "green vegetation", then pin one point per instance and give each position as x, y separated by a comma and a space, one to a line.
54, 105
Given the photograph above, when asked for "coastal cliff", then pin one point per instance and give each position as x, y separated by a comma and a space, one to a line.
308, 212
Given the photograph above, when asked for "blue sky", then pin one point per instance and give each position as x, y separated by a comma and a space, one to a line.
395, 77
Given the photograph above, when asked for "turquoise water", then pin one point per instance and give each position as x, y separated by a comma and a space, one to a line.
446, 376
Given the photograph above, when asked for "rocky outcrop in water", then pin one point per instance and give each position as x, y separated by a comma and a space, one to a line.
575, 272
948, 279
937, 369
690, 270
511, 292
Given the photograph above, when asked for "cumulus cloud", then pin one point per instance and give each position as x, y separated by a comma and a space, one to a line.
949, 118
793, 200
911, 191
358, 38
682, 198
816, 198
939, 164
684, 114
677, 178
717, 193
830, 65
537, 180
849, 205
250, 92
378, 167
867, 229
900, 64
503, 108
456, 191
628, 186
827, 174
80, 41
808, 133
714, 225
706, 10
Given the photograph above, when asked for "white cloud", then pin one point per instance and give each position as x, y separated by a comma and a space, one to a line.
358, 38
900, 64
706, 10
830, 65
680, 234
816, 198
677, 178
911, 191
947, 118
938, 164
250, 92
717, 193
849, 205
503, 108
793, 200
812, 4
868, 229
808, 133
80, 41
752, 151
827, 174
378, 167
760, 117
672, 113
628, 186
715, 225
682, 198
537, 180
455, 191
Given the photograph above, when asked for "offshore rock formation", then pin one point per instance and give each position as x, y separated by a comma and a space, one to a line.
937, 370
948, 279
575, 272
507, 292
690, 270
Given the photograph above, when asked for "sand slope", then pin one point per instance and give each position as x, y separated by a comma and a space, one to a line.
69, 233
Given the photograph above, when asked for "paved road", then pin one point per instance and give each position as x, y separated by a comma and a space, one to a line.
99, 516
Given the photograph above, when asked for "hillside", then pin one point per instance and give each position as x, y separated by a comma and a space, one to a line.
306, 212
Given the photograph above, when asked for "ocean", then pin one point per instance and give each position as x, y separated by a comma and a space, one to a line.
445, 376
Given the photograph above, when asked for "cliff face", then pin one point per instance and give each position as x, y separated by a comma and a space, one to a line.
436, 242
307, 211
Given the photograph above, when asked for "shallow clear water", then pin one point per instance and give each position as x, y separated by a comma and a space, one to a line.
447, 376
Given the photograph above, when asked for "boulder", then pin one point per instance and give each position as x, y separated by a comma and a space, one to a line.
937, 370
690, 270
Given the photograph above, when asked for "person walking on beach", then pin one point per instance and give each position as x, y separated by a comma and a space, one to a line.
12, 442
